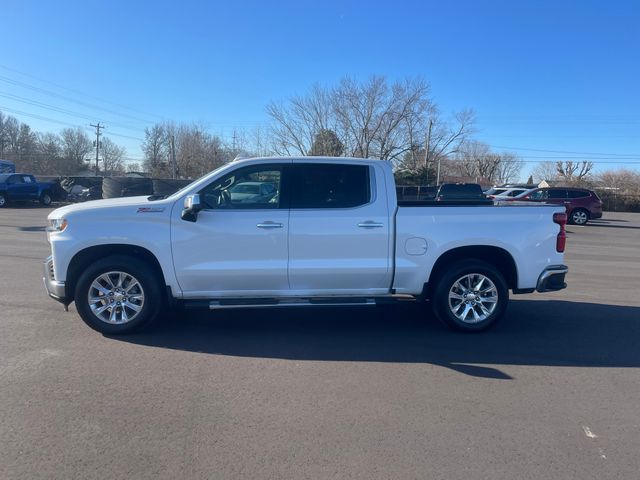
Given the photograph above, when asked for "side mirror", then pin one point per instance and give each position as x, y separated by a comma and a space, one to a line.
191, 208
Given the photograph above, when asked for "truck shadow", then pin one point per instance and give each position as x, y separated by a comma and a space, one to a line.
534, 332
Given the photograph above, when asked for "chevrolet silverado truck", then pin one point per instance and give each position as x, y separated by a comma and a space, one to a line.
24, 187
322, 231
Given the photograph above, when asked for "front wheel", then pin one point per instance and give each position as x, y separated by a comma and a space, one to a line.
470, 296
118, 295
3, 200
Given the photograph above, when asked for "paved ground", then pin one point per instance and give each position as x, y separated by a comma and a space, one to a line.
553, 392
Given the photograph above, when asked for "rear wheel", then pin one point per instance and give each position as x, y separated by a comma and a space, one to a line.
118, 295
579, 216
3, 200
470, 296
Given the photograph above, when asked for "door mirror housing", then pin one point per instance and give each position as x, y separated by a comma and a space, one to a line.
191, 208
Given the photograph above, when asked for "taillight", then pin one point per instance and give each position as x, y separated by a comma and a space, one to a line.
561, 239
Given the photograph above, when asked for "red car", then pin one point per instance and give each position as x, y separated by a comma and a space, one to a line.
582, 204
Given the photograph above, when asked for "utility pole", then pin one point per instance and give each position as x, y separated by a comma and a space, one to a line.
427, 146
173, 156
235, 136
97, 127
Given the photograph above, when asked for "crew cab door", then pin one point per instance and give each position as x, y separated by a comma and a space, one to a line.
339, 232
238, 243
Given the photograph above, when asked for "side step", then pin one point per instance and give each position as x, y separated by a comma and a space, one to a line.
288, 302
231, 303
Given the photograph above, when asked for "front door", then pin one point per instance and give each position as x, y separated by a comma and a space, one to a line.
238, 244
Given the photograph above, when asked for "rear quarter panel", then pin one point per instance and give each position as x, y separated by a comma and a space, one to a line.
526, 232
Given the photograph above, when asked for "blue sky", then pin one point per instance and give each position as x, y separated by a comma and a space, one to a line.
540, 75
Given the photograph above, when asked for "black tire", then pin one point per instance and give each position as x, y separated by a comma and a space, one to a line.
153, 299
46, 198
579, 216
444, 307
3, 200
115, 187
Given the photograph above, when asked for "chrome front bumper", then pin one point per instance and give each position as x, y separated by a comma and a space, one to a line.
55, 289
552, 279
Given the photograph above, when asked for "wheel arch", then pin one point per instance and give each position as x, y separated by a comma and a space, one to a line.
82, 259
498, 257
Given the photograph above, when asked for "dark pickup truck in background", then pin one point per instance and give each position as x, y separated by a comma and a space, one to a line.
17, 187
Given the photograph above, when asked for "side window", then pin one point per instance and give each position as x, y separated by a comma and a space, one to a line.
539, 195
557, 193
256, 187
26, 179
578, 194
16, 179
329, 186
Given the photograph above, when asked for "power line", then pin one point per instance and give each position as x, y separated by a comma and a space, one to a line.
566, 151
73, 100
48, 106
53, 120
73, 90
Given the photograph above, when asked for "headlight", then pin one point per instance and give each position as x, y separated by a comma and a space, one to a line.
57, 225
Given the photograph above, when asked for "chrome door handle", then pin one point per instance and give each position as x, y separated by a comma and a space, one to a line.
269, 225
370, 225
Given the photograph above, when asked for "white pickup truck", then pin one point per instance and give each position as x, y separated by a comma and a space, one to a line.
275, 232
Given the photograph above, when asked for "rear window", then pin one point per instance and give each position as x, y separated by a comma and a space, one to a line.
329, 186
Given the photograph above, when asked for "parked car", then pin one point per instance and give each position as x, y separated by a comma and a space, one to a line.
461, 193
24, 187
582, 204
505, 192
338, 236
252, 192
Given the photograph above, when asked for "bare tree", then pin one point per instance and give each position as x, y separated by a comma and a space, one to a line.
296, 122
574, 172
623, 181
545, 171
375, 118
508, 170
112, 157
476, 161
76, 145
155, 148
50, 150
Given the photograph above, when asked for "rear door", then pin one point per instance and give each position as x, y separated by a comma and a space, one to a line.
339, 230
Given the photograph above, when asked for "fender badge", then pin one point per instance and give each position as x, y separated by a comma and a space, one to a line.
150, 209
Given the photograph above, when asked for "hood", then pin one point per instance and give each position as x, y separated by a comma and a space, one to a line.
109, 203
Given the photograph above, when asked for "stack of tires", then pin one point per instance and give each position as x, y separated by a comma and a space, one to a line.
115, 187
74, 187
168, 186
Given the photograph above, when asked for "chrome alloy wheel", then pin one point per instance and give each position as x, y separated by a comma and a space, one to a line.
579, 217
473, 298
116, 297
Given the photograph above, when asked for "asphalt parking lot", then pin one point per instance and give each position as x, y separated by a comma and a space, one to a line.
552, 392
